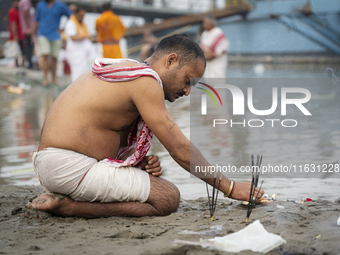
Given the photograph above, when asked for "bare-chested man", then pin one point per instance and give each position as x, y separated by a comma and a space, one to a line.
91, 120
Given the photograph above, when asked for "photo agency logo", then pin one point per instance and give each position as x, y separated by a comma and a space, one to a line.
293, 122
204, 97
300, 97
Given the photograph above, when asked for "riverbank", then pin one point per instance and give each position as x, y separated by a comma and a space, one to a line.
308, 228
15, 75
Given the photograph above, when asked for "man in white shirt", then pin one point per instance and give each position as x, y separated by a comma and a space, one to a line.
215, 46
78, 45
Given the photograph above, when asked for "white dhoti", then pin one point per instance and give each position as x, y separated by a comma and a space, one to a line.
85, 179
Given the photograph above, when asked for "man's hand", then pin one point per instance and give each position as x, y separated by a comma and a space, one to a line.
242, 191
152, 165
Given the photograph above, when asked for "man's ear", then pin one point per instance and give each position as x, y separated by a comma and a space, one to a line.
171, 60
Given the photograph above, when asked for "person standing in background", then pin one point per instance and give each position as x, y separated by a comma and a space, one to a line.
215, 46
78, 45
109, 31
14, 26
47, 20
27, 21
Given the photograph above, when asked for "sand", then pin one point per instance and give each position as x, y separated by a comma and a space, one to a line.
309, 228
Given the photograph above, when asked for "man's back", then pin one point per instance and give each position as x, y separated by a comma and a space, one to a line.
90, 114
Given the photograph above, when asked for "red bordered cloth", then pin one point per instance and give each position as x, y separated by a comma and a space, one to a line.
140, 135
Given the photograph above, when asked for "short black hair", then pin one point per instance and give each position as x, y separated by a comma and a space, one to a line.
185, 47
106, 6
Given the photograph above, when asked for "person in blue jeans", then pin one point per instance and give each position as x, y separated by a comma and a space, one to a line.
46, 27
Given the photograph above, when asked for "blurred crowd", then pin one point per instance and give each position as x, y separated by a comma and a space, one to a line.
36, 38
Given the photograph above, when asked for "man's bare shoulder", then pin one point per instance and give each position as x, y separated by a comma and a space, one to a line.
143, 82
143, 87
148, 85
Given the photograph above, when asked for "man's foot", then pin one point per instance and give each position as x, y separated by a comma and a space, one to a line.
47, 202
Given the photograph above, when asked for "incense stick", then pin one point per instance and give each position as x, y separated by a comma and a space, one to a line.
259, 189
214, 206
251, 188
206, 183
256, 170
254, 182
218, 188
213, 197
213, 202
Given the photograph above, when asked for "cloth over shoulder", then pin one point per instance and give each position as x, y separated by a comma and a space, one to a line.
140, 135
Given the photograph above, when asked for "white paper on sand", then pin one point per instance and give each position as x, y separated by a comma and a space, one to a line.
254, 237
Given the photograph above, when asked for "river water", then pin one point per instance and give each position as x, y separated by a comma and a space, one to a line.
22, 117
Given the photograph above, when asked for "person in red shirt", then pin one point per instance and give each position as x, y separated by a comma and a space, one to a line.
14, 26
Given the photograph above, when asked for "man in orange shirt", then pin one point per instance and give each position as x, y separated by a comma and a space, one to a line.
109, 31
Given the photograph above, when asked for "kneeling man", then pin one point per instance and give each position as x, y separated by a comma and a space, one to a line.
96, 135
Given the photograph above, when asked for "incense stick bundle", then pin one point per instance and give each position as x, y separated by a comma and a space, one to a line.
213, 203
254, 181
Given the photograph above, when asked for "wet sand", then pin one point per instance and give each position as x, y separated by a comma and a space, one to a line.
308, 228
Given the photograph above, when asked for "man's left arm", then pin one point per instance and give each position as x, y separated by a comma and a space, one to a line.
152, 108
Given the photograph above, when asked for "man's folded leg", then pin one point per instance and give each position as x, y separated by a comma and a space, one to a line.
106, 183
163, 200
121, 191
